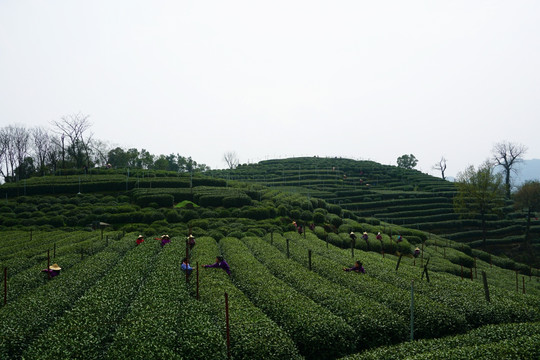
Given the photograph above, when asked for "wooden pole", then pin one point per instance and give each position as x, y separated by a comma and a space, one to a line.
412, 310
197, 280
54, 251
227, 326
399, 260
309, 258
48, 263
486, 289
422, 255
288, 253
352, 248
5, 285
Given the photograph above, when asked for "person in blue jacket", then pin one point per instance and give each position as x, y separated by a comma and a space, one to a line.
186, 266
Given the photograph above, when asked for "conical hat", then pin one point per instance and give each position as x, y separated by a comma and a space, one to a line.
55, 267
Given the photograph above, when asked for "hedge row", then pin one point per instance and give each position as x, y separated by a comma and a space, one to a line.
505, 341
23, 320
432, 319
80, 332
458, 297
316, 331
165, 321
373, 324
253, 334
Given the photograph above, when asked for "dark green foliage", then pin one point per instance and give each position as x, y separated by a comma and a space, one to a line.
162, 200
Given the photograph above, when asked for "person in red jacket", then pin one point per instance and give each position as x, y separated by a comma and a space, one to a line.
139, 240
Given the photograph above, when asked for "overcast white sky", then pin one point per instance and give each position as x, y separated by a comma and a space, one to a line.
270, 79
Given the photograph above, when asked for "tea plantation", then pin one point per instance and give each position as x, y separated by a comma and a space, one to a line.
287, 296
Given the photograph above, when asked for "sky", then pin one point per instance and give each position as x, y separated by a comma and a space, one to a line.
366, 80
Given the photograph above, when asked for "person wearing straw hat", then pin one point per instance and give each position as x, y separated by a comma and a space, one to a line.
352, 235
53, 270
220, 263
416, 252
191, 241
379, 236
165, 239
140, 239
365, 236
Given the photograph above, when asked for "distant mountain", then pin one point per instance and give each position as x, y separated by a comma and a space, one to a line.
527, 170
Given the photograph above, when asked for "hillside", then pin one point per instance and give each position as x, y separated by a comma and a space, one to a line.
394, 195
288, 296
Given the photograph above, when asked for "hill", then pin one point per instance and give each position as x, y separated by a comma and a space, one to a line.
399, 196
288, 296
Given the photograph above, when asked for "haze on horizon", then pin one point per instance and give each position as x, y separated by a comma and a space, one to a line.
356, 79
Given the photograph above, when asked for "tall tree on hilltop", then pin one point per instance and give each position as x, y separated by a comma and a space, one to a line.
508, 155
231, 159
407, 161
75, 127
441, 166
479, 193
528, 197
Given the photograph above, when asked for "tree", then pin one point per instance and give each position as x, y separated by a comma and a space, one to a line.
528, 197
441, 166
407, 161
479, 193
75, 127
508, 155
231, 159
42, 144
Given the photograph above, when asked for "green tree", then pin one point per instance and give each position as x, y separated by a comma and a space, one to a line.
407, 161
479, 193
528, 197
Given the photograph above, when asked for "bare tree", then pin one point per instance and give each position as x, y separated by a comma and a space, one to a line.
441, 166
4, 144
231, 159
41, 145
508, 155
74, 126
101, 150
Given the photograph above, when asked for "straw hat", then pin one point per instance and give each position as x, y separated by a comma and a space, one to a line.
165, 237
140, 237
55, 267
365, 233
190, 236
351, 233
